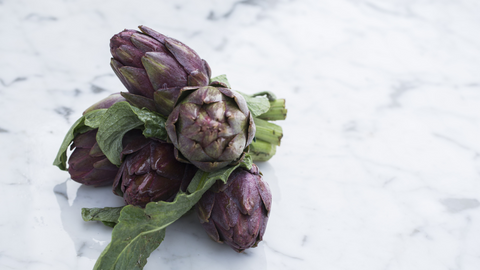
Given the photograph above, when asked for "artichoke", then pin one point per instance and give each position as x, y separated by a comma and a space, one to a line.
150, 172
148, 62
211, 127
236, 213
87, 163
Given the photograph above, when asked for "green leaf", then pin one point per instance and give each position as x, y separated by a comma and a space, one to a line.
121, 118
257, 105
140, 231
118, 120
85, 123
94, 118
154, 123
108, 215
221, 78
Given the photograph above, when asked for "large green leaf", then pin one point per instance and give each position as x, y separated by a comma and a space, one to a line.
87, 122
140, 231
121, 118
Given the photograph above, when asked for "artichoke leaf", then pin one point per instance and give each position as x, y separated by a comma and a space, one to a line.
121, 118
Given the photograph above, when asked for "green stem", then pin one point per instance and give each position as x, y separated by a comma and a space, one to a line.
277, 111
262, 151
268, 132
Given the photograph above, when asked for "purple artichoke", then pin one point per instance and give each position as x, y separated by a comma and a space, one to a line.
87, 164
150, 172
147, 62
211, 127
236, 213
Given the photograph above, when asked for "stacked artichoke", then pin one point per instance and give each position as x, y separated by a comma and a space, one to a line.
176, 127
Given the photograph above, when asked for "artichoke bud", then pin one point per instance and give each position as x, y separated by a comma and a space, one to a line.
147, 62
210, 127
150, 172
236, 213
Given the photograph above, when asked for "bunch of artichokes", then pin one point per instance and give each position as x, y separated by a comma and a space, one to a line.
207, 127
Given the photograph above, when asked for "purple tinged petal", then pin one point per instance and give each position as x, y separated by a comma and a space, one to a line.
211, 229
205, 206
95, 151
170, 126
234, 148
154, 34
139, 163
216, 111
192, 149
163, 70
225, 212
120, 39
129, 56
207, 68
116, 69
165, 99
164, 162
147, 44
212, 95
138, 81
216, 148
189, 114
187, 57
244, 191
265, 194
197, 78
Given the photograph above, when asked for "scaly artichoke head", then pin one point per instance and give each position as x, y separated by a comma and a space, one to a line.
236, 213
150, 172
211, 127
148, 62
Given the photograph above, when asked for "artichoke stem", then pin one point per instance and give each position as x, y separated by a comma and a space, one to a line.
277, 111
268, 132
262, 151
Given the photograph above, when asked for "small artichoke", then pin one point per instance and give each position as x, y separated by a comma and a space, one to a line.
87, 163
210, 127
150, 172
148, 61
236, 213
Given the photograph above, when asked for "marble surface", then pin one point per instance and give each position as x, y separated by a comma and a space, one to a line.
379, 167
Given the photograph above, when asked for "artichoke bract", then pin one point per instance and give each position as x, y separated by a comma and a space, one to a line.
210, 127
87, 163
236, 213
150, 172
148, 62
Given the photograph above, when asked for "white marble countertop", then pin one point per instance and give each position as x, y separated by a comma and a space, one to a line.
379, 167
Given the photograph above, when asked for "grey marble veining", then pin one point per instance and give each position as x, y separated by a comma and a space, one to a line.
379, 167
